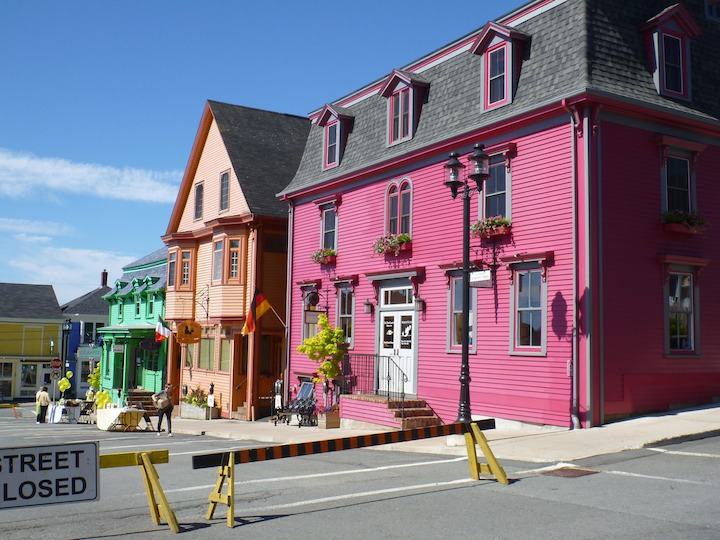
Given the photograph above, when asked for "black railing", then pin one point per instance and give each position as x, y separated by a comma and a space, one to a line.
373, 374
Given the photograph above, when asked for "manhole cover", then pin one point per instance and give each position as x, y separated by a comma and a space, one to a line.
569, 472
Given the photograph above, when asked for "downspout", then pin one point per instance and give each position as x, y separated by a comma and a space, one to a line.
288, 298
574, 334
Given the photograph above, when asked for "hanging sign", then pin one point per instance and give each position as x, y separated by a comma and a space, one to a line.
481, 279
189, 332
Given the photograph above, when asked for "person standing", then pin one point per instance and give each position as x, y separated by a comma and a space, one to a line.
164, 402
43, 401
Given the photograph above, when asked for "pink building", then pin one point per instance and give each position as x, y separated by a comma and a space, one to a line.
593, 292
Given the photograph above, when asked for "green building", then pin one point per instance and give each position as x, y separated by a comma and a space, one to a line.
131, 358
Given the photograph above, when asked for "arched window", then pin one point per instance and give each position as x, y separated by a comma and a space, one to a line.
399, 207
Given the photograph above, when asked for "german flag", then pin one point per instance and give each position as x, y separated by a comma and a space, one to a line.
258, 307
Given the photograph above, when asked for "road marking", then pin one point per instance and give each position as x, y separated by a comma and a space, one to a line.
663, 478
681, 453
359, 495
321, 475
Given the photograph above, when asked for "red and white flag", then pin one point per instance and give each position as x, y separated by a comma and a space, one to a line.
162, 332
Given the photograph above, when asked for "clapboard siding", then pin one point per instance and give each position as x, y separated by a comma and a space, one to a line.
639, 374
539, 386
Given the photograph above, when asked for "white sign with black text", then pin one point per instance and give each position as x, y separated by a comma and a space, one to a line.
37, 475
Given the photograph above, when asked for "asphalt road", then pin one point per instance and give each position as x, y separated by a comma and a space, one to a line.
665, 492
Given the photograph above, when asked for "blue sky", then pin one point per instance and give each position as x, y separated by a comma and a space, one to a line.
100, 103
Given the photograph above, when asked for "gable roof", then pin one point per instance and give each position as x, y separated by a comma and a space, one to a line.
29, 302
264, 148
91, 303
575, 48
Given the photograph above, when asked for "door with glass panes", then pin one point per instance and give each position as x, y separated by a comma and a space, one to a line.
397, 366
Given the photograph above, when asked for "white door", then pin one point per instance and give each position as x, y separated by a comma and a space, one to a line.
397, 342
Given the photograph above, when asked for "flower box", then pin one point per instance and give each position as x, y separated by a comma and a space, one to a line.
683, 228
324, 256
491, 227
194, 412
392, 244
502, 230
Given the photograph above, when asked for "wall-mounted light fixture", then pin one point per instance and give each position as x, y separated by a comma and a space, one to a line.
419, 304
368, 307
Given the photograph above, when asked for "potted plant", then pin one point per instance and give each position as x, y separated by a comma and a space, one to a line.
683, 222
326, 349
195, 405
392, 243
324, 256
489, 227
329, 417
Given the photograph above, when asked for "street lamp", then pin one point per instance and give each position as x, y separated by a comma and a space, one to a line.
66, 328
480, 163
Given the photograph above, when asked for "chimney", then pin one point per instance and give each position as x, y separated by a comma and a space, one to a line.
103, 278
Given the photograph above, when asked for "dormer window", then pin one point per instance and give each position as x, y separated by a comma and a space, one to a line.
331, 146
400, 115
336, 123
668, 36
501, 49
406, 94
496, 90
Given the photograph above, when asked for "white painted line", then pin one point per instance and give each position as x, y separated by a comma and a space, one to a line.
680, 453
663, 478
355, 496
321, 475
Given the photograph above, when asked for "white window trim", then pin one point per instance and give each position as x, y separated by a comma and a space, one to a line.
452, 277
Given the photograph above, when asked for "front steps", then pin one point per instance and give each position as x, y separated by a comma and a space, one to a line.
374, 409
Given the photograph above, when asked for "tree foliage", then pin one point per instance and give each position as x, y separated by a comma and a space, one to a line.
325, 349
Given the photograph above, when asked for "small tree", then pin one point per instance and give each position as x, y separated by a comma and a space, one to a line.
325, 349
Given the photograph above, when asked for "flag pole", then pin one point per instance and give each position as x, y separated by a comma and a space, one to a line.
278, 316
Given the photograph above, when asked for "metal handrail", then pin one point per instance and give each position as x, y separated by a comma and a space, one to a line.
361, 374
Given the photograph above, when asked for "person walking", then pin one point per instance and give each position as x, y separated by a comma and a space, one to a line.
43, 401
164, 402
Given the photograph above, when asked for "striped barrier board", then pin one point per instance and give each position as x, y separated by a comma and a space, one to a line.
334, 445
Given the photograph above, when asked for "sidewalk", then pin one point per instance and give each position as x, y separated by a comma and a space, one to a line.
540, 445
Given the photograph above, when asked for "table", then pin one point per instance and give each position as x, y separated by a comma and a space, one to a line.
120, 419
63, 414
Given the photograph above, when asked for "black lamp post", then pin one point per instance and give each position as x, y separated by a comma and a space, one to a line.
480, 163
66, 329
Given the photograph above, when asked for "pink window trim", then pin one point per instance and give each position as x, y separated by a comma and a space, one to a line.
506, 74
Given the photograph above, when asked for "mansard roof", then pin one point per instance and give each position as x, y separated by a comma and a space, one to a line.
576, 48
151, 268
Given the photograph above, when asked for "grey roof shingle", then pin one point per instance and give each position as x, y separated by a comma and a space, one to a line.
91, 303
153, 265
29, 302
578, 46
265, 148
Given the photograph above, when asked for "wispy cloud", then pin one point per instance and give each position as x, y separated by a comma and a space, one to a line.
72, 272
30, 230
23, 174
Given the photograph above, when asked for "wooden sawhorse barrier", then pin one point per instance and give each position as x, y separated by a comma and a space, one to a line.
153, 489
225, 461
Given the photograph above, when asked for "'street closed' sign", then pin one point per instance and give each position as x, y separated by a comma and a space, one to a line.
49, 474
